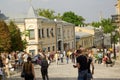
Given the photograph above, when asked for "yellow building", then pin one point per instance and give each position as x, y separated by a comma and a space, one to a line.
84, 39
92, 33
87, 29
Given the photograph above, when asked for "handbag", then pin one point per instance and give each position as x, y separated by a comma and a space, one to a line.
22, 74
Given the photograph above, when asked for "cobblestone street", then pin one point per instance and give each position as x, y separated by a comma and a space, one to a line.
64, 71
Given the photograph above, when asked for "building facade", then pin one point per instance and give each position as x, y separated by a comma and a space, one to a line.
97, 35
45, 34
116, 17
84, 39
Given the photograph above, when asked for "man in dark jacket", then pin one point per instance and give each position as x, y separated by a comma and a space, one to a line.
44, 68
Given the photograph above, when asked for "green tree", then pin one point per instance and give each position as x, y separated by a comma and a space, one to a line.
17, 43
5, 38
96, 24
46, 13
71, 17
107, 25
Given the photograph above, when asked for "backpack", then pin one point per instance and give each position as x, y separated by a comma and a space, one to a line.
28, 67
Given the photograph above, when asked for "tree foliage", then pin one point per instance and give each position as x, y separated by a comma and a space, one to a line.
5, 39
106, 24
46, 13
71, 17
50, 14
96, 24
17, 43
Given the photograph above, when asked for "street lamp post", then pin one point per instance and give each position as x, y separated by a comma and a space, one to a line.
113, 33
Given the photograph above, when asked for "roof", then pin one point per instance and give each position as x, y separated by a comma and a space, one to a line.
2, 16
79, 35
33, 14
63, 22
88, 27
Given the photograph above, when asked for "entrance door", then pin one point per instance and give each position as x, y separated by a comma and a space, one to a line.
59, 45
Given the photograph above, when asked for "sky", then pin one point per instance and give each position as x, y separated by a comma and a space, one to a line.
91, 10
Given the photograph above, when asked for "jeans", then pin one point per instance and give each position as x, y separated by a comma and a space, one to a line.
82, 75
44, 73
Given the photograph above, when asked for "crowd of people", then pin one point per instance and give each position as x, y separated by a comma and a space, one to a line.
82, 58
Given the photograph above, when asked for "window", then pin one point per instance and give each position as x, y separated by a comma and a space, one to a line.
51, 32
32, 52
48, 49
68, 34
43, 33
53, 48
63, 33
47, 32
59, 33
39, 33
31, 34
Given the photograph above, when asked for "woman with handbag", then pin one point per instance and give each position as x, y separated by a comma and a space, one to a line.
28, 69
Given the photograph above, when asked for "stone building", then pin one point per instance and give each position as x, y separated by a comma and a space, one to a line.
96, 33
84, 39
116, 17
42, 33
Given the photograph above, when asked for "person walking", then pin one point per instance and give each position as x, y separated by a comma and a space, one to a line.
44, 68
6, 63
89, 65
56, 57
81, 65
28, 68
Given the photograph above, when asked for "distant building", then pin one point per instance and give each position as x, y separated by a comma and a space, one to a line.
116, 17
2, 16
97, 34
84, 39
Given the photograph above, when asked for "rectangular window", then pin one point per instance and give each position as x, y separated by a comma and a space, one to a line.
47, 32
51, 31
32, 34
53, 48
48, 49
32, 52
43, 33
39, 33
59, 33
